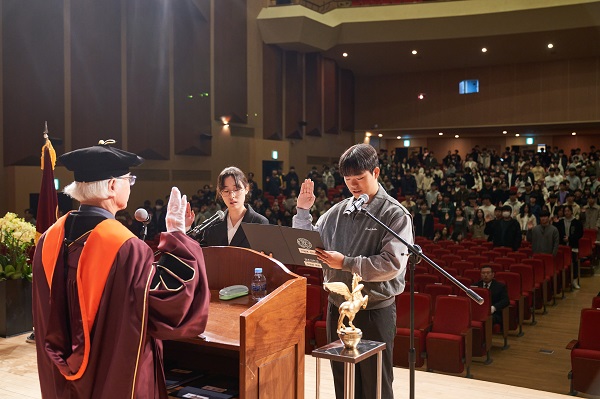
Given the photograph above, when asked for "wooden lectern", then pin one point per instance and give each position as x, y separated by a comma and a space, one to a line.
261, 343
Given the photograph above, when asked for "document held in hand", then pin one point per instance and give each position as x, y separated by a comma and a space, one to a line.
288, 245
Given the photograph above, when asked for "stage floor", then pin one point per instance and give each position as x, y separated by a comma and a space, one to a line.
18, 379
428, 385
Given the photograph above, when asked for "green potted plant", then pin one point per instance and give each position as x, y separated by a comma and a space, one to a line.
16, 244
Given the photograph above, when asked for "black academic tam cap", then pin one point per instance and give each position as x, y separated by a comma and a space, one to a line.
100, 162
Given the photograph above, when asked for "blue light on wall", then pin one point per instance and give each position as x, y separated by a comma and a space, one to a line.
529, 140
468, 86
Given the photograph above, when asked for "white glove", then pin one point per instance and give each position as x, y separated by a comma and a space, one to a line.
176, 207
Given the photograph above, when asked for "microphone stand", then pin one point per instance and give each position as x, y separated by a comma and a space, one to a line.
144, 231
416, 253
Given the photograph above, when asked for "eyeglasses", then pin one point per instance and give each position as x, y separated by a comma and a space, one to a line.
231, 193
131, 179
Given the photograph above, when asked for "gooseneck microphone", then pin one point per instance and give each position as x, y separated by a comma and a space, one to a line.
356, 204
217, 217
142, 215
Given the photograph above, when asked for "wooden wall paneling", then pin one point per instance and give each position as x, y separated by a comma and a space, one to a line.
448, 105
148, 79
313, 103
95, 71
500, 87
294, 72
409, 110
527, 94
330, 97
33, 78
581, 96
231, 82
347, 100
191, 78
554, 86
272, 93
476, 110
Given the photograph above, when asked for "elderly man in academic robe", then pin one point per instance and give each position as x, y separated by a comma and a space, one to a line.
101, 305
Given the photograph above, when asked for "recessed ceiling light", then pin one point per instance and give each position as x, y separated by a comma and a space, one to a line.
504, 132
574, 134
456, 136
421, 96
414, 52
550, 45
399, 137
380, 135
441, 133
517, 135
484, 50
344, 54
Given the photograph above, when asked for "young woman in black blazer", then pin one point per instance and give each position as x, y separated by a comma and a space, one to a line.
233, 188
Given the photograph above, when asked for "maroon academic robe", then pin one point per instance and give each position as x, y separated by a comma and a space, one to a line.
98, 333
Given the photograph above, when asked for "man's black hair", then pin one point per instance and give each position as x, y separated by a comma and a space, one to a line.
358, 159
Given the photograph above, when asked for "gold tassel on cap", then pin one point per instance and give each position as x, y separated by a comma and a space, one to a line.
51, 151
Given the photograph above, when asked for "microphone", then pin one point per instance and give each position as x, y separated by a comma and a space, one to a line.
356, 205
217, 217
142, 215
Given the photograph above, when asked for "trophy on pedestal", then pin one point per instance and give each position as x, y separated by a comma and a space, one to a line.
350, 335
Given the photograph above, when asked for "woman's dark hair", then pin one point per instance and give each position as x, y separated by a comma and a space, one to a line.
358, 159
522, 210
476, 218
238, 176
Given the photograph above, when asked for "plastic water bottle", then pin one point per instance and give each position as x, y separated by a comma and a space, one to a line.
259, 285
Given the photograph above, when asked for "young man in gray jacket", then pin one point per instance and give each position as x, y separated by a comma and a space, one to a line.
356, 244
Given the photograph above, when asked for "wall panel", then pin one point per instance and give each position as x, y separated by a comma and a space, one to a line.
191, 78
148, 78
272, 93
231, 82
330, 97
294, 72
95, 71
313, 94
33, 78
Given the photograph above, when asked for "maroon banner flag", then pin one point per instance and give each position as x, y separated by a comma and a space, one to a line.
48, 201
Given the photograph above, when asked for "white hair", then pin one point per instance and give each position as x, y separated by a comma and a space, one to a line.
85, 192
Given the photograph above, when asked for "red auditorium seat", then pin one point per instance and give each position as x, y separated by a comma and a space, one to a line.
422, 327
585, 355
528, 287
473, 274
437, 289
449, 344
519, 256
596, 302
314, 313
550, 271
505, 262
477, 260
491, 255
449, 259
567, 275
315, 272
465, 253
320, 326
516, 309
462, 265
481, 323
541, 283
584, 256
504, 250
422, 280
